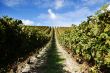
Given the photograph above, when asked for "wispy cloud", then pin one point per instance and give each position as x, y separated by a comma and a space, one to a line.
81, 9
43, 3
52, 15
93, 2
12, 3
30, 22
55, 12
65, 19
59, 4
27, 22
53, 4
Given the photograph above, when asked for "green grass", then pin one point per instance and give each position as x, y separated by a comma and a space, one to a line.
53, 63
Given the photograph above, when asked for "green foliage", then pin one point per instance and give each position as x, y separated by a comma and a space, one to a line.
17, 41
90, 41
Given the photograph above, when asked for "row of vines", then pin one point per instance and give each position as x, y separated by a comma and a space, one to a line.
17, 41
89, 42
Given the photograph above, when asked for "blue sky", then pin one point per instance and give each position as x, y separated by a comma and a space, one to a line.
50, 12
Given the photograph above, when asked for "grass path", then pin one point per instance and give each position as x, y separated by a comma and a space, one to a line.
53, 62
48, 61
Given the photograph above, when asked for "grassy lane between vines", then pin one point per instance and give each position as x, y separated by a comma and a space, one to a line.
52, 62
48, 62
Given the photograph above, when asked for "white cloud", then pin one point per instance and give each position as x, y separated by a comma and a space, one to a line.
65, 19
12, 3
38, 24
93, 2
52, 15
59, 4
44, 3
27, 22
53, 4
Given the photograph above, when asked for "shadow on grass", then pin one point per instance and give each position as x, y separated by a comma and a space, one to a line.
53, 63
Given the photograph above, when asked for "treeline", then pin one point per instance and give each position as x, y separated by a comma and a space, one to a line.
17, 42
90, 42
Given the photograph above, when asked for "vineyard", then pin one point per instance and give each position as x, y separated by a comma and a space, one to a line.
89, 42
17, 42
76, 49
